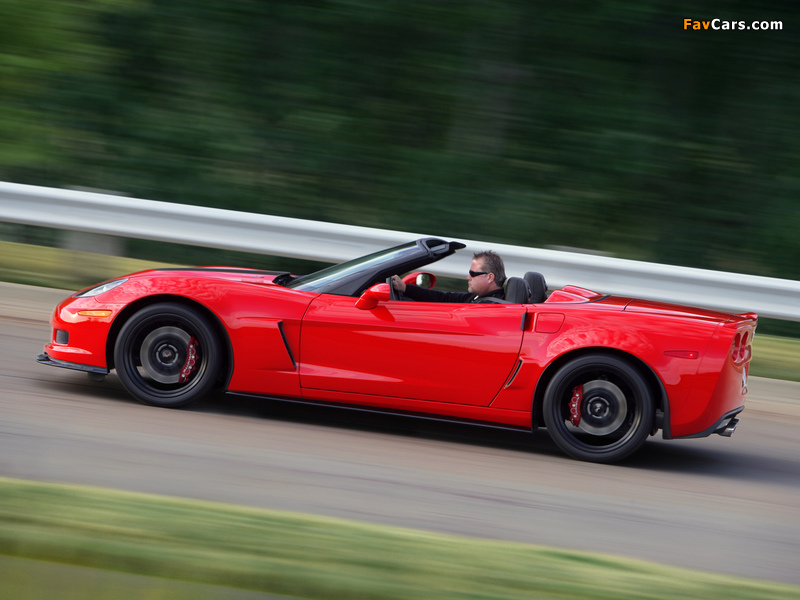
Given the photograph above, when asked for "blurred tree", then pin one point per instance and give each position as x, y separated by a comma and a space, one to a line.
599, 125
32, 39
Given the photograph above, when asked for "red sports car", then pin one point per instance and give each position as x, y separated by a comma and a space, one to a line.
601, 373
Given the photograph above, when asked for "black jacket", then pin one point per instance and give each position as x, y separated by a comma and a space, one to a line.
421, 294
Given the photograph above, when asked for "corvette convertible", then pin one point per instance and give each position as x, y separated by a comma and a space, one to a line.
601, 373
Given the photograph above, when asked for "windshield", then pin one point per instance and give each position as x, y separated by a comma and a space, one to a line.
320, 279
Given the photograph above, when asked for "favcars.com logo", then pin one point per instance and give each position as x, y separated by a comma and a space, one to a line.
720, 25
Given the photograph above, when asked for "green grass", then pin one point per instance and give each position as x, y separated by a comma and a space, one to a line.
316, 557
776, 357
60, 268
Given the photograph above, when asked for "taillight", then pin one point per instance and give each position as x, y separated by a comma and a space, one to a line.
741, 349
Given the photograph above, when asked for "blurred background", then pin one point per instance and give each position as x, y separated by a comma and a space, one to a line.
605, 126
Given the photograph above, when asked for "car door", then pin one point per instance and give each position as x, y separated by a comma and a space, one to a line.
443, 352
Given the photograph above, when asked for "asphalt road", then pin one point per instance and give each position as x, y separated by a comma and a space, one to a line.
730, 506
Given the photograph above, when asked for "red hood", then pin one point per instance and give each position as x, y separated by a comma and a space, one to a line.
227, 273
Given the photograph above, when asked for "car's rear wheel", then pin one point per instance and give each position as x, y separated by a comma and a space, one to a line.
167, 355
598, 408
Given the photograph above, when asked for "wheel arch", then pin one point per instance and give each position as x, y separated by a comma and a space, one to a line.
653, 382
134, 307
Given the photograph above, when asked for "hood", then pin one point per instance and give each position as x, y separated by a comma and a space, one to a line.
226, 273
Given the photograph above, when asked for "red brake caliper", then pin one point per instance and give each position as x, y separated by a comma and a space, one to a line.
191, 361
575, 405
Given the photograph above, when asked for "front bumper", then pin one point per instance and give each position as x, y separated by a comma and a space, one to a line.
45, 359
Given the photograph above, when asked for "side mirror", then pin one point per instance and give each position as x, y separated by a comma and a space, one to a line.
421, 278
379, 292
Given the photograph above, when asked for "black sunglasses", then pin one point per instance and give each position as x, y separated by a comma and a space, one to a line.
477, 273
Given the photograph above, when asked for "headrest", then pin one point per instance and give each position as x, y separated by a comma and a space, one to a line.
518, 291
537, 285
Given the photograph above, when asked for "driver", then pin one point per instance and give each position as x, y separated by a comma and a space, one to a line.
486, 277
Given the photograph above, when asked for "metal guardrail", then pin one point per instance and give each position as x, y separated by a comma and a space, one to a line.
112, 215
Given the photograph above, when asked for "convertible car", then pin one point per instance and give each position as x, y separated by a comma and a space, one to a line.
601, 373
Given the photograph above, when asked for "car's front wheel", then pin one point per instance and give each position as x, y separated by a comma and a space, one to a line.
598, 408
167, 355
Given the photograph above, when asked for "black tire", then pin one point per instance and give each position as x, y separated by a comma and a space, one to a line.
167, 355
612, 412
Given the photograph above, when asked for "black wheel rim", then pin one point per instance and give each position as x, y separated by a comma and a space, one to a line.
599, 410
164, 356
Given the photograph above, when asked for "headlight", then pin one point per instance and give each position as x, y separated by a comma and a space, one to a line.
101, 289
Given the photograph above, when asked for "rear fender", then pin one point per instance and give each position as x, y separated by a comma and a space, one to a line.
550, 342
654, 382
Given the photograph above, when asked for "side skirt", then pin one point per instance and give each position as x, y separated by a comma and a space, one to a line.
382, 411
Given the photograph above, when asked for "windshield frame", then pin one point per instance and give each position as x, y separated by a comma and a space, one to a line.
352, 277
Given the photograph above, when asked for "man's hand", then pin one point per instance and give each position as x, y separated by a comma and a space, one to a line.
398, 284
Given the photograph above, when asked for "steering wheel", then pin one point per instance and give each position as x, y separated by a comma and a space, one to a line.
396, 294
393, 293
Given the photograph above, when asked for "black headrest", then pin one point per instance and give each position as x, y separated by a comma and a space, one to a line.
537, 285
517, 291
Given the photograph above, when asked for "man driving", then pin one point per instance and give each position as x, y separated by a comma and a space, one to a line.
486, 277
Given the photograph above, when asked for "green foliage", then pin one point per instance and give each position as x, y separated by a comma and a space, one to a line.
597, 125
317, 557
